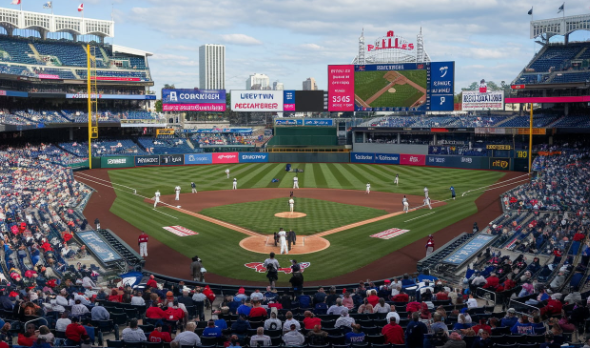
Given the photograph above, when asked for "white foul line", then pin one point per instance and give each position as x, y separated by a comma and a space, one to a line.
420, 216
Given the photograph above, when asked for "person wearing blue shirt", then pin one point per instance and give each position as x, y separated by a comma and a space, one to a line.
415, 332
220, 323
356, 336
244, 309
407, 281
211, 330
461, 323
453, 192
510, 319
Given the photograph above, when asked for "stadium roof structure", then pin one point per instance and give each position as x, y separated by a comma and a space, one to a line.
132, 51
391, 49
46, 22
547, 28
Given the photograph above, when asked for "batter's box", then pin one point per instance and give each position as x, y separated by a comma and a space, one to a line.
390, 233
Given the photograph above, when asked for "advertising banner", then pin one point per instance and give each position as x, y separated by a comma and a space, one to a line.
147, 160
413, 160
289, 101
362, 157
383, 158
499, 163
4, 93
117, 162
49, 77
111, 96
442, 161
99, 247
288, 122
257, 101
198, 158
193, 100
341, 88
253, 157
442, 89
470, 249
225, 157
476, 100
113, 78
171, 160
318, 122
465, 162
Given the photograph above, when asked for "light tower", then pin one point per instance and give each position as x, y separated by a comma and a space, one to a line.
361, 59
420, 47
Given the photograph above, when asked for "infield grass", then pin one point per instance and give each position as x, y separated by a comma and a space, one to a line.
349, 250
321, 215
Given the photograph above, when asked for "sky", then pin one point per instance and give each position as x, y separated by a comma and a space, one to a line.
292, 40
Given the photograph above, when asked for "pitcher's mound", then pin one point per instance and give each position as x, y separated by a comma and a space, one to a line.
288, 215
265, 244
391, 90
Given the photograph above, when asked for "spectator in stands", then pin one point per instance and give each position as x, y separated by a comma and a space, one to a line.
317, 336
356, 336
344, 320
244, 309
319, 296
188, 337
74, 332
78, 309
437, 323
472, 302
455, 341
260, 339
392, 332
462, 323
415, 332
366, 308
482, 326
310, 321
510, 319
332, 297
174, 313
290, 321
257, 296
347, 301
28, 337
137, 299
402, 297
114, 297
257, 313
213, 331
479, 280
133, 333
553, 307
337, 308
293, 337
155, 312
241, 326
158, 335
152, 282
273, 323
523, 326
199, 301
62, 323
382, 307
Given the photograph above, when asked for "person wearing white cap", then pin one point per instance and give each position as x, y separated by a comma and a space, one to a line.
227, 172
345, 319
235, 184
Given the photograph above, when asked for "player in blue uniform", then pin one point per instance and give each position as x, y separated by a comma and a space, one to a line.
453, 192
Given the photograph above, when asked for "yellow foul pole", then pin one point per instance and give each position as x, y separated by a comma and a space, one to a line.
531, 139
89, 93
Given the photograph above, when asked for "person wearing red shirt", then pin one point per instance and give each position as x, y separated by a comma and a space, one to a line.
152, 282
492, 282
257, 312
578, 237
29, 337
401, 297
46, 246
393, 333
142, 241
482, 325
67, 236
309, 321
442, 296
74, 332
155, 312
174, 313
158, 335
114, 297
553, 307
373, 299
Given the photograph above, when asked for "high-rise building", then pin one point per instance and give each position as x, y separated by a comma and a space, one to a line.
212, 67
309, 84
258, 81
278, 86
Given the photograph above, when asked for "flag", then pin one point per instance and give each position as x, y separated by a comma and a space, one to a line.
48, 5
561, 8
81, 8
15, 2
531, 12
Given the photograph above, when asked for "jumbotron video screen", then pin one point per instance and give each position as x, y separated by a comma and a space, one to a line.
391, 87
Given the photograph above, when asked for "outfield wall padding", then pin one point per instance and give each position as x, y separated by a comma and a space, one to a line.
465, 162
391, 148
303, 157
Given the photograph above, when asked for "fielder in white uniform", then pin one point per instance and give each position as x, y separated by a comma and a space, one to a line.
427, 202
283, 241
157, 198
193, 187
368, 188
177, 190
396, 181
405, 204
295, 182
227, 173
291, 204
235, 184
425, 192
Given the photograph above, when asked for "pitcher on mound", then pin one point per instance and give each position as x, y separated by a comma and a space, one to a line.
283, 241
291, 205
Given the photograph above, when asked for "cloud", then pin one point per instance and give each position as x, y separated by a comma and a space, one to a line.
240, 39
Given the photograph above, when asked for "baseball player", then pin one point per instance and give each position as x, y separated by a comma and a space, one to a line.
157, 198
453, 192
177, 190
427, 202
368, 188
405, 204
396, 181
235, 184
291, 204
193, 187
425, 192
295, 182
142, 242
429, 245
227, 172
283, 241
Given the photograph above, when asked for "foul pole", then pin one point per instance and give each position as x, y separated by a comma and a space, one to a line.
89, 95
531, 138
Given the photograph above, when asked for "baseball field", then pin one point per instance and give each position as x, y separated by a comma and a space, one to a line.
332, 196
390, 88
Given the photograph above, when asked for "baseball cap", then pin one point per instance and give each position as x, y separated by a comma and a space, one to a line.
512, 310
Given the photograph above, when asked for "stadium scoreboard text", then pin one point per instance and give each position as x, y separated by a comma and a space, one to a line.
391, 87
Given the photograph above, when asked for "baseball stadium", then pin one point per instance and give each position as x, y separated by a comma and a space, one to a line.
153, 229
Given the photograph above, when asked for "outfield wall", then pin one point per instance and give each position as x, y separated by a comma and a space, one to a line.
463, 162
391, 148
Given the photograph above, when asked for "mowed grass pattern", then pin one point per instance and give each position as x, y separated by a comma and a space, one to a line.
321, 215
349, 250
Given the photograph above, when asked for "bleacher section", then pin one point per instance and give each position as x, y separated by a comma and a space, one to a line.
524, 121
32, 117
18, 50
555, 57
164, 145
104, 148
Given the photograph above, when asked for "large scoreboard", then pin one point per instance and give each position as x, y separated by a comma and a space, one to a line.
391, 87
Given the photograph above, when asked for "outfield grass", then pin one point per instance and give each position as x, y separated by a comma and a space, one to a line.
321, 215
404, 97
349, 250
367, 83
417, 76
